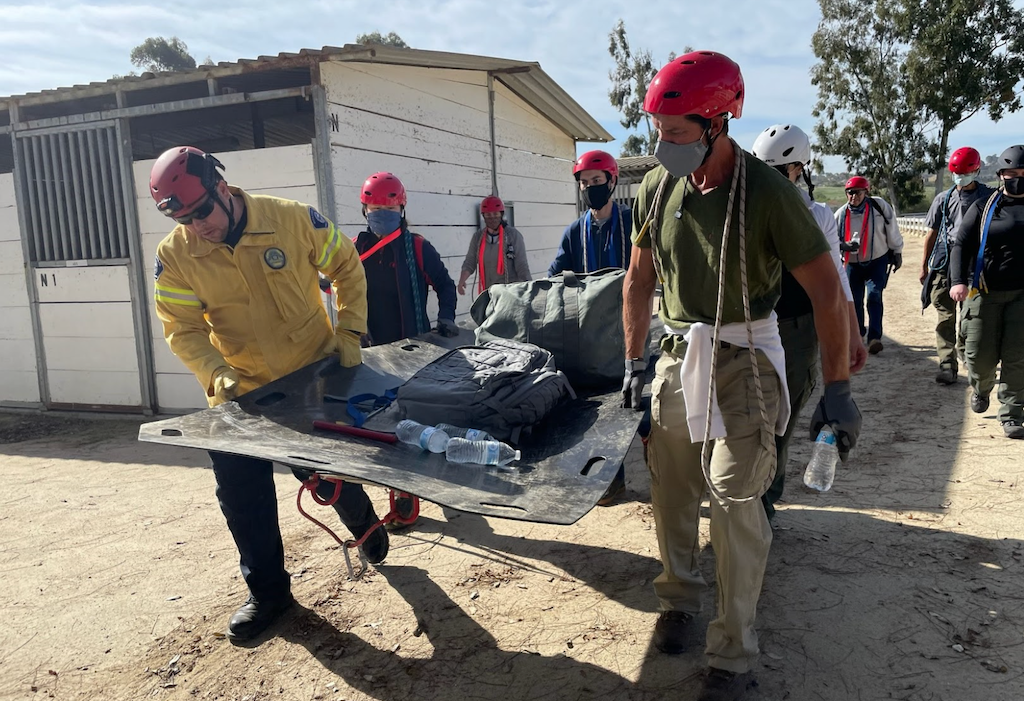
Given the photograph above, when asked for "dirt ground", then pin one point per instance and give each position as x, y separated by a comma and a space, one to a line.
117, 575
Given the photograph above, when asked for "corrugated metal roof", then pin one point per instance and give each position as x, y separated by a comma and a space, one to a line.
637, 164
526, 79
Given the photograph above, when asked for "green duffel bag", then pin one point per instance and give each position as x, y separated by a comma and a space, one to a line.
575, 316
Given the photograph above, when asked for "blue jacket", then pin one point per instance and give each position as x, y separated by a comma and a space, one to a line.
391, 315
613, 254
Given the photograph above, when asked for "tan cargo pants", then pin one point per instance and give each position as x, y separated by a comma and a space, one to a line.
742, 466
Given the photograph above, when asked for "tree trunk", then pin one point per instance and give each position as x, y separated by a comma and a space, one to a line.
892, 195
940, 173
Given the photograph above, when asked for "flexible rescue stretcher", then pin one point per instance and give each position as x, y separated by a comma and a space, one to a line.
568, 459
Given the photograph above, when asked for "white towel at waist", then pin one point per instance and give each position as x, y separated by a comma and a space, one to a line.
696, 370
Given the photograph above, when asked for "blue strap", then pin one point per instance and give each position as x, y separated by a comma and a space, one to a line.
980, 261
377, 402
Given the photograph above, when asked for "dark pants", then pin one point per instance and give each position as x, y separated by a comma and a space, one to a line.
946, 343
871, 277
245, 490
800, 341
993, 326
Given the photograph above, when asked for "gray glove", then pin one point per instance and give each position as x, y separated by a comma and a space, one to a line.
447, 328
633, 385
838, 409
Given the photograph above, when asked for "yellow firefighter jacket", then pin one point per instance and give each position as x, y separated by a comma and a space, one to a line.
257, 309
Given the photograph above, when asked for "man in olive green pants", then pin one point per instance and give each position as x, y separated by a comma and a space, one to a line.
993, 330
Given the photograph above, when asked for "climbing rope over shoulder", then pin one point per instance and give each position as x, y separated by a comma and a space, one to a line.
652, 224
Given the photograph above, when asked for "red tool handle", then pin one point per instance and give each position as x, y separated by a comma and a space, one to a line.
358, 432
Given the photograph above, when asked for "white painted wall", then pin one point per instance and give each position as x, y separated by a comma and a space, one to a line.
430, 127
91, 355
19, 381
284, 172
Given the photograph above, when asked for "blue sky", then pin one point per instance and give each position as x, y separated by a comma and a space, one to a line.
56, 44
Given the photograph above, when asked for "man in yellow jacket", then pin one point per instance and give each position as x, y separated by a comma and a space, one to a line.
238, 296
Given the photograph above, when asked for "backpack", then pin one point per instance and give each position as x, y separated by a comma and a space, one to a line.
576, 316
501, 387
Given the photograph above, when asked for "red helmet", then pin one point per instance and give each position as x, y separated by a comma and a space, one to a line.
182, 178
702, 83
965, 160
491, 204
858, 182
596, 160
383, 188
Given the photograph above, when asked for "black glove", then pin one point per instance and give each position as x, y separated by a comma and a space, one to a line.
849, 246
895, 261
447, 328
633, 386
838, 409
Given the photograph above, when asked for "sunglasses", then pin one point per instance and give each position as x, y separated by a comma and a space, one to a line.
198, 214
854, 193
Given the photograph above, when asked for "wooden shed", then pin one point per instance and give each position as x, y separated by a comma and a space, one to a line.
78, 231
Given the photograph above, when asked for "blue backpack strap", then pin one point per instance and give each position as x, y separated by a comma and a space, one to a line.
990, 211
942, 239
376, 402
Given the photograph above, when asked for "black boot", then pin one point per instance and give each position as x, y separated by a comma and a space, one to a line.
254, 617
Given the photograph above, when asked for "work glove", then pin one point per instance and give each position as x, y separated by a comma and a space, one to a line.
895, 261
447, 328
849, 246
838, 409
344, 344
633, 385
225, 386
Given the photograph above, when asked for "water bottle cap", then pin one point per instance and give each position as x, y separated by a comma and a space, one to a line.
825, 435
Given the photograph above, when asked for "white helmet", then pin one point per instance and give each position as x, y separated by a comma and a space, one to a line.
780, 144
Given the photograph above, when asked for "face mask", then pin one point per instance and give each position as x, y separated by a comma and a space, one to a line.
681, 159
964, 180
597, 196
383, 221
1014, 186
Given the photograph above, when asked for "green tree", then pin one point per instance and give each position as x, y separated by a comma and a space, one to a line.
391, 39
862, 108
159, 54
964, 57
633, 72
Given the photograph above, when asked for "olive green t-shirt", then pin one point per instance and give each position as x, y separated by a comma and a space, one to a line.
688, 244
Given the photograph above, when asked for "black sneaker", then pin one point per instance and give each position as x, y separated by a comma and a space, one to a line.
979, 404
671, 632
254, 617
375, 547
722, 685
946, 375
1013, 429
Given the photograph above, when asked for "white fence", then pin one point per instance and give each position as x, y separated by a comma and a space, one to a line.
912, 225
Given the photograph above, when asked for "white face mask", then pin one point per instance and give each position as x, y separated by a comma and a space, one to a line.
965, 179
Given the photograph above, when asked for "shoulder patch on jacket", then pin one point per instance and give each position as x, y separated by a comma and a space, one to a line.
158, 267
317, 219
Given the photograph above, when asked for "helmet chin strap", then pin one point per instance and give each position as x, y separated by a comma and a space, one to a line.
230, 212
810, 185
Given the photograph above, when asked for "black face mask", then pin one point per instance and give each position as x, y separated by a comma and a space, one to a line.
1014, 186
597, 196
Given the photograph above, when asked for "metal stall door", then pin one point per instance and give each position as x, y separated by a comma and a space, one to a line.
83, 248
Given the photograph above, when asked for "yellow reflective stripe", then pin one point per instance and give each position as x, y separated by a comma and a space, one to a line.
177, 295
176, 290
331, 246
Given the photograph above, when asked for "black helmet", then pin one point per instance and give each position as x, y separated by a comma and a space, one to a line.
1012, 157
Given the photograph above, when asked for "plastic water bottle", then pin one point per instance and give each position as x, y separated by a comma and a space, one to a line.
821, 470
481, 452
470, 434
424, 437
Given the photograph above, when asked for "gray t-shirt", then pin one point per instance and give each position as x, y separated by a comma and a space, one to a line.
959, 202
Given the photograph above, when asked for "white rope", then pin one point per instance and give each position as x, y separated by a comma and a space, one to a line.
739, 177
